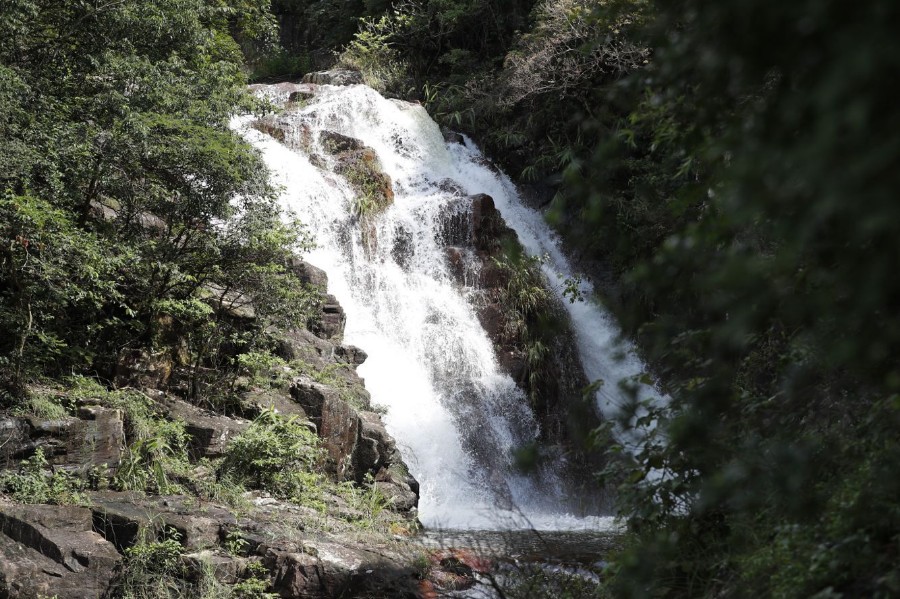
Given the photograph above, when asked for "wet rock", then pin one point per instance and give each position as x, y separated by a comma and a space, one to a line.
52, 551
457, 264
363, 171
332, 321
452, 137
285, 130
487, 223
513, 362
350, 354
403, 248
452, 187
334, 77
271, 127
301, 96
493, 321
455, 569
335, 143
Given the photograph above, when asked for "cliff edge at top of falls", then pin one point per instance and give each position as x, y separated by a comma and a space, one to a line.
297, 488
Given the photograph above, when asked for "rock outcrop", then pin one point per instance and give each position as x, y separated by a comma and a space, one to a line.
478, 249
334, 77
69, 551
95, 438
53, 551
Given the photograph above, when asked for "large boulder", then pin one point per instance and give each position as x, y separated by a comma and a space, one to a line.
142, 369
309, 274
327, 569
15, 436
488, 226
336, 421
332, 319
285, 130
209, 432
52, 551
95, 438
334, 77
121, 516
357, 443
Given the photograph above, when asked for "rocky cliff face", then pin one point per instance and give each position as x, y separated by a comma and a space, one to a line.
297, 550
532, 340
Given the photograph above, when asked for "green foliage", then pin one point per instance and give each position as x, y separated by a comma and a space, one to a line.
32, 483
124, 195
532, 318
276, 454
47, 262
348, 389
280, 67
727, 203
156, 452
372, 53
260, 366
369, 502
44, 403
150, 461
152, 568
255, 586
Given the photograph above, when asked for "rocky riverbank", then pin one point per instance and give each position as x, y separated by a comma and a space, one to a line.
73, 524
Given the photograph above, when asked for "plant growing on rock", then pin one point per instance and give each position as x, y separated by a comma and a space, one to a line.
152, 568
151, 462
37, 482
531, 315
278, 455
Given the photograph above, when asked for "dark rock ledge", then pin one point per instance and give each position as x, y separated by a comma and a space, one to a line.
80, 551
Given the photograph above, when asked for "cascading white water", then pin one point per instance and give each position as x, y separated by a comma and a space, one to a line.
456, 416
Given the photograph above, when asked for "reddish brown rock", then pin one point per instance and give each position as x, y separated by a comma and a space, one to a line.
52, 551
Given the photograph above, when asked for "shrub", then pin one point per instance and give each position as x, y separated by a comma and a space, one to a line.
33, 484
278, 455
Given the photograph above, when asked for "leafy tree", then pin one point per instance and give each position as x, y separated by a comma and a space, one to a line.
749, 212
124, 190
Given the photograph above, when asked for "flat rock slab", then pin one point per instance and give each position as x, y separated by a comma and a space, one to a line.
121, 516
52, 551
210, 432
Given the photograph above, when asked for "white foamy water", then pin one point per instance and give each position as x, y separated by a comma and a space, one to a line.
456, 416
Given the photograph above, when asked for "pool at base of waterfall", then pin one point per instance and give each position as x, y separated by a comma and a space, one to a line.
516, 560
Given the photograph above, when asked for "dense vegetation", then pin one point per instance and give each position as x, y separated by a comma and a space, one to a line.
129, 211
727, 168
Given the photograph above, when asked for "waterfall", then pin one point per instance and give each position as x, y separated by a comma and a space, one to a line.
457, 417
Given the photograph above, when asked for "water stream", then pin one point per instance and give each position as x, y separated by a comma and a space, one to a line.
456, 415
